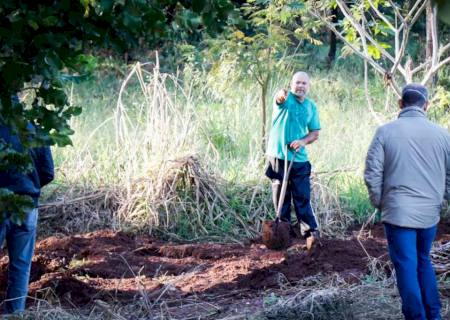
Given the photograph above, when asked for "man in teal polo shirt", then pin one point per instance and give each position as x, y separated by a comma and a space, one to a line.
295, 123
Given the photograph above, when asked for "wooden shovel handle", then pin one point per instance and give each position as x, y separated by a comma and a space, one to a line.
287, 170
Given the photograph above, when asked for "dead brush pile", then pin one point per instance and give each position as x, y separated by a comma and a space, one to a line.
331, 303
339, 301
79, 210
180, 199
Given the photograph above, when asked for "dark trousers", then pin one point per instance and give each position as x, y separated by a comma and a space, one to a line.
20, 240
409, 250
298, 191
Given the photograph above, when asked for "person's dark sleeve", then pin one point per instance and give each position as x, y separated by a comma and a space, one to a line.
43, 162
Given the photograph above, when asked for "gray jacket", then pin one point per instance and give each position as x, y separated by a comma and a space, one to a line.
408, 170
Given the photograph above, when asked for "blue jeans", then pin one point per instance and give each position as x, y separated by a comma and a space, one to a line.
20, 241
409, 250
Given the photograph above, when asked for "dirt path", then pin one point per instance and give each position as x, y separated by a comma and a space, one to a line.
107, 265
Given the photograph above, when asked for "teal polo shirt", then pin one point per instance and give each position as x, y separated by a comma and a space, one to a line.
291, 120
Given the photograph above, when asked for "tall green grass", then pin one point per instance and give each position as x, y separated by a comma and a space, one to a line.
226, 130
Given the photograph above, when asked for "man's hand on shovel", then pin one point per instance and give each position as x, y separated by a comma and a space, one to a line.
297, 144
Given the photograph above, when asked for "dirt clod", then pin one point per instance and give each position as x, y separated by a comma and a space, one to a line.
276, 234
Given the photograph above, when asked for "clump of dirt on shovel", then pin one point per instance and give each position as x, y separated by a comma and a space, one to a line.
276, 235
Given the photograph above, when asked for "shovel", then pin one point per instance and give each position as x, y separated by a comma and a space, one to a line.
276, 235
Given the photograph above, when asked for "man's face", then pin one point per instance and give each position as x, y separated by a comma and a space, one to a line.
300, 85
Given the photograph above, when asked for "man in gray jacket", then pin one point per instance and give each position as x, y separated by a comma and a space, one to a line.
408, 176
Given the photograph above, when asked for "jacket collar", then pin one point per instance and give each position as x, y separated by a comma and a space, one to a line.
412, 112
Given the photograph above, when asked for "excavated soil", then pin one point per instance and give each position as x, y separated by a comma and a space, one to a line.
114, 266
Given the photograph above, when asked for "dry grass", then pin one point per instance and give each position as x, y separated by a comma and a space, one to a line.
340, 301
332, 218
182, 200
440, 255
78, 211
313, 298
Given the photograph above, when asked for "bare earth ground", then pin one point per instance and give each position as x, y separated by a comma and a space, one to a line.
115, 267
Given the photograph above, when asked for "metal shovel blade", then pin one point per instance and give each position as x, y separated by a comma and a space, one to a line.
276, 234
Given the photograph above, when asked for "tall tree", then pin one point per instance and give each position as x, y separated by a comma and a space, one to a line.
332, 38
432, 35
379, 31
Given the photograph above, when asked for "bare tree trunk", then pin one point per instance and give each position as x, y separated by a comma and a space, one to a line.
431, 31
333, 40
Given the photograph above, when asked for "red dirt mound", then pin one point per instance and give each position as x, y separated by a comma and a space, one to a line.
113, 265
